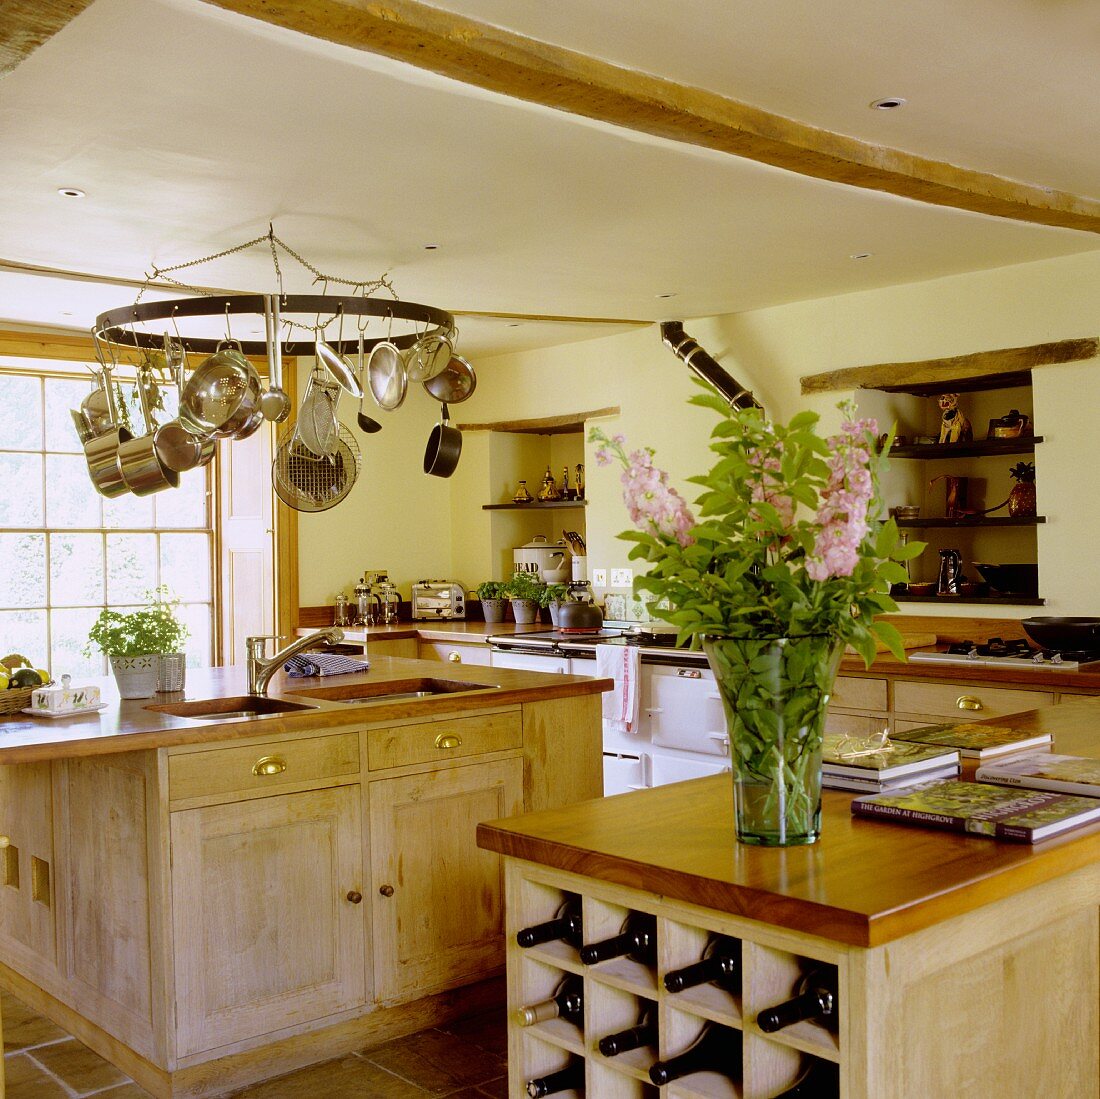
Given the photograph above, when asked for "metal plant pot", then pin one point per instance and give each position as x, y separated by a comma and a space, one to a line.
136, 676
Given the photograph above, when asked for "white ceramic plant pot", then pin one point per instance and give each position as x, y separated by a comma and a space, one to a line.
171, 671
136, 676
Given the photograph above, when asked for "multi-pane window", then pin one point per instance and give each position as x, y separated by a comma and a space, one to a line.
66, 551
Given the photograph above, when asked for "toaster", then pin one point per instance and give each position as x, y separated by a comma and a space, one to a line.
438, 599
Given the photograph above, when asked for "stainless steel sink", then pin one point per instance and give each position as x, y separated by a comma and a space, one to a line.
392, 691
226, 709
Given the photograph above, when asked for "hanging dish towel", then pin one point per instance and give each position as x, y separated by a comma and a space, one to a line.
324, 664
622, 663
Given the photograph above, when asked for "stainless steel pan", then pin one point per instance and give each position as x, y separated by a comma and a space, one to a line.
101, 453
138, 461
221, 397
454, 383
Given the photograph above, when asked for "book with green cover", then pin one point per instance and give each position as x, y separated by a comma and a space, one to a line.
982, 809
1045, 771
975, 740
861, 757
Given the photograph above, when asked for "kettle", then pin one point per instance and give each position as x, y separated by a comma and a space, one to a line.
950, 572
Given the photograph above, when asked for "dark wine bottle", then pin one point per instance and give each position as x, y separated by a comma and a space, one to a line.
717, 1049
820, 1081
816, 1000
566, 1003
721, 963
570, 1078
637, 940
565, 925
643, 1033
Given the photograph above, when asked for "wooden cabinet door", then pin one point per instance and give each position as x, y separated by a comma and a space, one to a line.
27, 921
265, 933
438, 898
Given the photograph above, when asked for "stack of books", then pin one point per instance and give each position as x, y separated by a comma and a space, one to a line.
973, 741
874, 764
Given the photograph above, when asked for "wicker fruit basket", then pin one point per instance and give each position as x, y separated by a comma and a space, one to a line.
15, 699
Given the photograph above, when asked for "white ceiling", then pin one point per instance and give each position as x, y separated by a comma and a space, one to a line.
191, 128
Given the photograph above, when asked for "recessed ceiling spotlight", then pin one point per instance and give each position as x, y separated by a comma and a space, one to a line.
890, 103
70, 192
666, 295
861, 255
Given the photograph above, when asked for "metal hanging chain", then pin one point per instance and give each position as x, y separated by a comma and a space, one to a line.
363, 286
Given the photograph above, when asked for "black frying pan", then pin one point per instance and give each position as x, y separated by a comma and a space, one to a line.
1067, 634
443, 449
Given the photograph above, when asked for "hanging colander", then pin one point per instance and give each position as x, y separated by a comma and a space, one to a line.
306, 482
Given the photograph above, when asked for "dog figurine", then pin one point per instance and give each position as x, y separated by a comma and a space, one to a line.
954, 426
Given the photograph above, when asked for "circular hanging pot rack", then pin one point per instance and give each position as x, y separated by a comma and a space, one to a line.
119, 326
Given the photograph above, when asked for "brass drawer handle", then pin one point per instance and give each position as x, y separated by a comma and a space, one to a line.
386, 890
448, 740
455, 657
355, 896
969, 702
269, 765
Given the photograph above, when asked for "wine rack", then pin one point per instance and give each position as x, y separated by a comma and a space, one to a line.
617, 991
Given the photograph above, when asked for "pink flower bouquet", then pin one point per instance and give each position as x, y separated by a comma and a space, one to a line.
789, 539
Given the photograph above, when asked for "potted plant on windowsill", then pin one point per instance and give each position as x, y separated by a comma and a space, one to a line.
143, 646
494, 602
525, 592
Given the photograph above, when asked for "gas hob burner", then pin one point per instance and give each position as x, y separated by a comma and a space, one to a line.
1016, 647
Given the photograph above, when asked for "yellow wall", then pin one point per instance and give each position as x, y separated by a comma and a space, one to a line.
398, 518
769, 350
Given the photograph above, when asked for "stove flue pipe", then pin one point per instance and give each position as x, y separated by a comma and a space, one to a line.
684, 347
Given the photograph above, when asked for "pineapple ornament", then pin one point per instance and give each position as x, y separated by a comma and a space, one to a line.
1021, 500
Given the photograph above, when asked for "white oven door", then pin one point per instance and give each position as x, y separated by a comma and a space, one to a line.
681, 708
528, 662
622, 774
667, 767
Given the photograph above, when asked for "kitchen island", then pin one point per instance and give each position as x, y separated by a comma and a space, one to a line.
966, 966
209, 900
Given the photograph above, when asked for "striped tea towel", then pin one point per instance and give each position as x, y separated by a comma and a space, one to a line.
623, 664
324, 664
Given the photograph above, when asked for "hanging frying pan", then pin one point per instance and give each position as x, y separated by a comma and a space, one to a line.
444, 448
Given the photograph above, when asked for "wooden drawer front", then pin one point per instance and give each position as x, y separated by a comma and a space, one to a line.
439, 741
854, 724
852, 692
453, 653
262, 766
965, 702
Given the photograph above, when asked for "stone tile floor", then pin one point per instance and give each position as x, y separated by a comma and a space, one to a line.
463, 1060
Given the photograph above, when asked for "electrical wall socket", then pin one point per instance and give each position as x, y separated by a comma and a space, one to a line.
622, 578
599, 578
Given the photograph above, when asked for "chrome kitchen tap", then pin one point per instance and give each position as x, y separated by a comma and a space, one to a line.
260, 670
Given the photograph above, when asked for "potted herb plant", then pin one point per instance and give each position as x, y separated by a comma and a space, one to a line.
551, 597
525, 592
494, 601
144, 646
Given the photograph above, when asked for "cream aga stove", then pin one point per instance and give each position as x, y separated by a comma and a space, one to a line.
681, 731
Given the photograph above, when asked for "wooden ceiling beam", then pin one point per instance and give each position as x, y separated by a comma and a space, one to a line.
932, 372
524, 68
27, 24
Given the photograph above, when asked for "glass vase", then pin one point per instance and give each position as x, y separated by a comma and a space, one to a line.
775, 692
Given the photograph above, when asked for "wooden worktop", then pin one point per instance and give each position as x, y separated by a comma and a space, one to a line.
863, 883
128, 724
